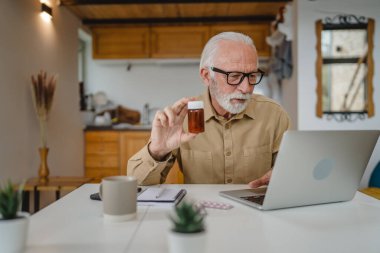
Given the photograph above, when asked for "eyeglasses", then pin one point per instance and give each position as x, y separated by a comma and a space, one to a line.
235, 78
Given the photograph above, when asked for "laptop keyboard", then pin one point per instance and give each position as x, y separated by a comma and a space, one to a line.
259, 199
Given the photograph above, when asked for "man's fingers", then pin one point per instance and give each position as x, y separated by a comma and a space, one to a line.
170, 115
182, 114
161, 119
181, 104
185, 137
256, 183
267, 176
178, 106
264, 180
156, 120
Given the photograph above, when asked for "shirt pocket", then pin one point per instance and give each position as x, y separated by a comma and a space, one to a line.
197, 166
256, 162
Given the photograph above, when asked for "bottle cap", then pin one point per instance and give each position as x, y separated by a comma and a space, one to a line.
191, 105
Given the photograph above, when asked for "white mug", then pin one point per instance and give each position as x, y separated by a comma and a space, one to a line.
119, 197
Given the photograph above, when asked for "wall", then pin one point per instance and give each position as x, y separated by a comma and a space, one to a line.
289, 86
160, 84
307, 14
27, 45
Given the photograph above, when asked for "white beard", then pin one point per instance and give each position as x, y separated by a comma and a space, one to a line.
224, 100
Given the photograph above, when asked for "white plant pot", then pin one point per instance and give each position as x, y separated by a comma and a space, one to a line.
187, 243
13, 233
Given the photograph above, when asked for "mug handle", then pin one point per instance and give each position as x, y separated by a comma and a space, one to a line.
100, 191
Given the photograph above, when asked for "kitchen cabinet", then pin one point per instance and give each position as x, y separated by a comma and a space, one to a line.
168, 41
258, 33
130, 143
178, 41
107, 153
120, 42
102, 154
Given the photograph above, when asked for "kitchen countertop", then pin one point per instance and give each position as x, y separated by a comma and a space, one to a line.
119, 127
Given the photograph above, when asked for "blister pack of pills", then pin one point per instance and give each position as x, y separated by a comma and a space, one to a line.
215, 205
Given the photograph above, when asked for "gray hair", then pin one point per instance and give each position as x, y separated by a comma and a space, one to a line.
211, 47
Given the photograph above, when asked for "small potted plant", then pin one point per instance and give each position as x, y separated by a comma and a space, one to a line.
188, 233
13, 224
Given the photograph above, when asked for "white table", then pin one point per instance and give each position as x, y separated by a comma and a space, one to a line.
75, 224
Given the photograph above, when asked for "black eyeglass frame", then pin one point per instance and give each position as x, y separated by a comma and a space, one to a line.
242, 78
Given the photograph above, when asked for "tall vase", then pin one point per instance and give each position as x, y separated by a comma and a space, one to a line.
43, 172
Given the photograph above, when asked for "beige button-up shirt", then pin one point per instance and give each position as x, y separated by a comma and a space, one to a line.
237, 150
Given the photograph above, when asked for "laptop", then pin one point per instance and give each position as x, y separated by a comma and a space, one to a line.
313, 167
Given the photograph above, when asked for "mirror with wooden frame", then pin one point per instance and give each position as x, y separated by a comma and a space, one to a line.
344, 68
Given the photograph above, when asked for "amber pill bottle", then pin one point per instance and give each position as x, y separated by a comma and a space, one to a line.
195, 115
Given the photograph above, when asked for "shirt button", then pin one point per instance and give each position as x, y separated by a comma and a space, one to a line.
229, 180
228, 153
227, 126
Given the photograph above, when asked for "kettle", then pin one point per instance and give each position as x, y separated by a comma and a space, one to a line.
103, 120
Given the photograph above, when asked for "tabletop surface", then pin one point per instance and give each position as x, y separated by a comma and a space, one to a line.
75, 224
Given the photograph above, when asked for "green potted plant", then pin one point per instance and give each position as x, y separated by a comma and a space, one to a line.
13, 224
188, 233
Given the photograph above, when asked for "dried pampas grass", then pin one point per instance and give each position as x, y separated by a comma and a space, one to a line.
43, 94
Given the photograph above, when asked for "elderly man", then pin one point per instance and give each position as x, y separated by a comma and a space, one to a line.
243, 130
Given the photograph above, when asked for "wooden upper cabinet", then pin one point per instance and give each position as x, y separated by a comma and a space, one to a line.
178, 41
120, 42
167, 41
258, 33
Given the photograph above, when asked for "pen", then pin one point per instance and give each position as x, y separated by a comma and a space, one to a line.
160, 191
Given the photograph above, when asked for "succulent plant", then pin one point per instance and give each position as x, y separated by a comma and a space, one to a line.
10, 201
188, 218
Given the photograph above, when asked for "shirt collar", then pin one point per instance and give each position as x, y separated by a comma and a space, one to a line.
210, 112
208, 109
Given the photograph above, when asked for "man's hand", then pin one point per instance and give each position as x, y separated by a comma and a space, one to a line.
167, 133
264, 180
